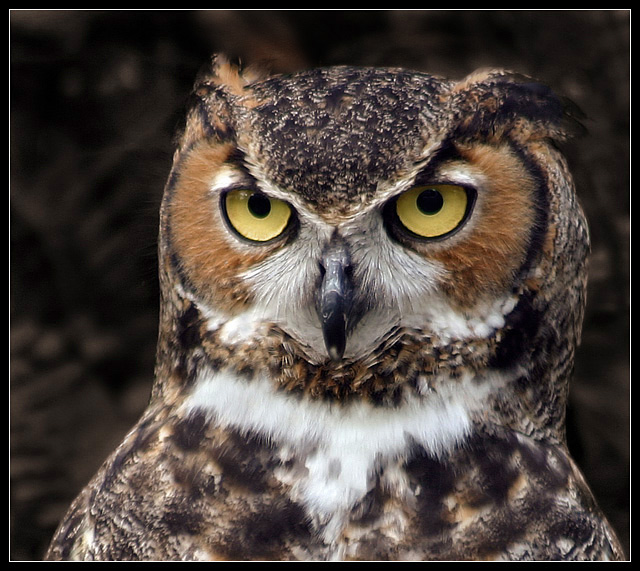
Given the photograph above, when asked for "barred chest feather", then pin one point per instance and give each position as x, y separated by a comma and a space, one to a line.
291, 480
332, 455
295, 478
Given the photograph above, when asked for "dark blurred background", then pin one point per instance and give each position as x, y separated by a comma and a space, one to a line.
96, 97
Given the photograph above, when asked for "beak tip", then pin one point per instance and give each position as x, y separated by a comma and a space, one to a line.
334, 333
335, 352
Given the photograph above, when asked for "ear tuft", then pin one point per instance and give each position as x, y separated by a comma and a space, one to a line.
220, 85
231, 77
494, 103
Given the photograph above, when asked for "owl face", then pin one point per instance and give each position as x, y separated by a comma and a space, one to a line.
343, 206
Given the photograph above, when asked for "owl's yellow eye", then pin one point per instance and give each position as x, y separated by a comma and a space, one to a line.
256, 216
432, 211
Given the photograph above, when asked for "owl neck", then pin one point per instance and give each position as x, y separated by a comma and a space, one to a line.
501, 379
334, 429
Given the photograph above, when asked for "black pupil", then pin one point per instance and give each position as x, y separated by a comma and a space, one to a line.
259, 205
430, 201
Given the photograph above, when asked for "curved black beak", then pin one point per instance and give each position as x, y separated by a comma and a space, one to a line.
335, 299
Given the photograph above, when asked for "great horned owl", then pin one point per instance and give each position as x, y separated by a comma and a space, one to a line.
372, 289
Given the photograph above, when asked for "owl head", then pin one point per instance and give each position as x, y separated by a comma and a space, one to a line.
364, 233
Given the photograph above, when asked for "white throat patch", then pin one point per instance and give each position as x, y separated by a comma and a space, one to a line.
340, 445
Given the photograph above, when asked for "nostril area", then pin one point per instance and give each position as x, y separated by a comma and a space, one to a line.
335, 262
348, 271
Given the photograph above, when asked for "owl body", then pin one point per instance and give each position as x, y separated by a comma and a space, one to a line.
372, 289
